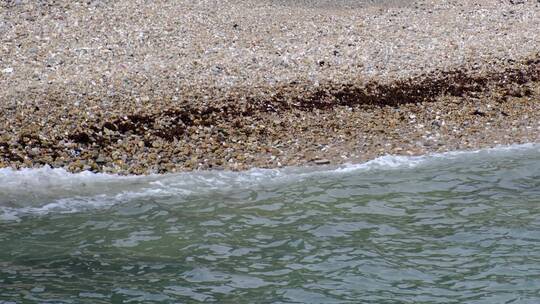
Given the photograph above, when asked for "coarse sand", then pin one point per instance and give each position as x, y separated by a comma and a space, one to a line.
138, 87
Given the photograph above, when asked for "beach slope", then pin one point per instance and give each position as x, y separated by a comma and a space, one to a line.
138, 87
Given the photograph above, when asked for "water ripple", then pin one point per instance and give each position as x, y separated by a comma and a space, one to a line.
460, 231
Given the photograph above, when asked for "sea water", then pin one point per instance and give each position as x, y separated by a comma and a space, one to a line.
460, 227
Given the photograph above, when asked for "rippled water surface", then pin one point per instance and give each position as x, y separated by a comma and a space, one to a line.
450, 228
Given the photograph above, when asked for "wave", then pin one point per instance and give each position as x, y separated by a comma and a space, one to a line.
45, 190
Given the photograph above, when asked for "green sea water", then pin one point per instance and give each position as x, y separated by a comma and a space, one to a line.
447, 228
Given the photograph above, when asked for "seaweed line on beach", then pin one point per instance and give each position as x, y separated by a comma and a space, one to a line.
424, 88
243, 131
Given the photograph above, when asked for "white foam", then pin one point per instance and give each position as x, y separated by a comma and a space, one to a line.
46, 190
387, 162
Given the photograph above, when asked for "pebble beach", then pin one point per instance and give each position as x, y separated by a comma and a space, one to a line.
141, 87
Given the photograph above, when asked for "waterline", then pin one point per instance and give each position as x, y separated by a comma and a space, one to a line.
461, 227
44, 190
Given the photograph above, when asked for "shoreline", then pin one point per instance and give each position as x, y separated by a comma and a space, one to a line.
445, 115
396, 162
189, 87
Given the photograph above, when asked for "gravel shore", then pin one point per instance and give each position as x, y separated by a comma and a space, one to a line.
137, 87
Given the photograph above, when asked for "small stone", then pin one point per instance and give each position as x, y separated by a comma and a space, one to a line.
34, 151
429, 143
479, 112
321, 161
100, 159
7, 70
515, 91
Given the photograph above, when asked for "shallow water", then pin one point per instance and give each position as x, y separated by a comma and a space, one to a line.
447, 228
